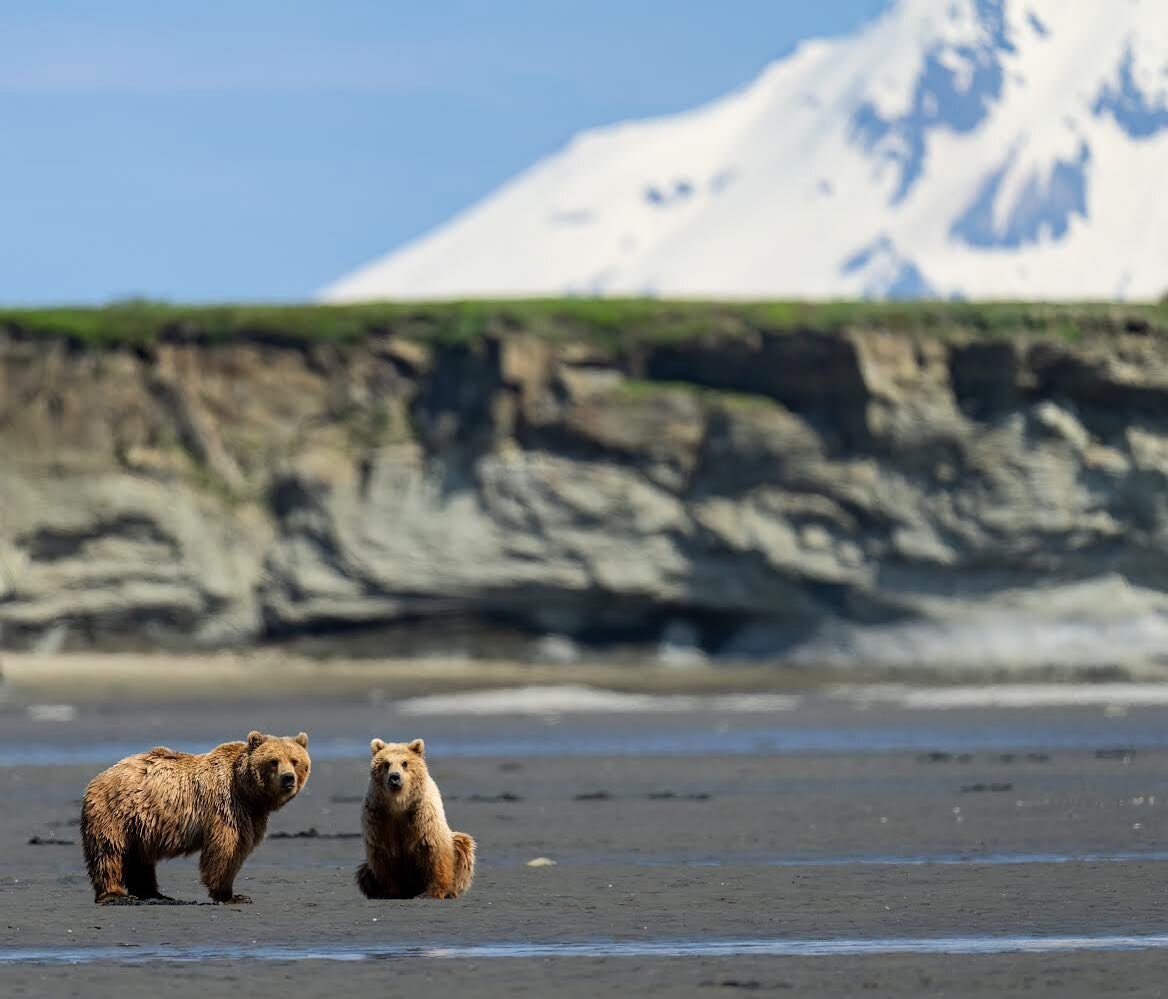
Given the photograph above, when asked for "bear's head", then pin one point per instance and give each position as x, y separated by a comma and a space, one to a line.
278, 766
398, 770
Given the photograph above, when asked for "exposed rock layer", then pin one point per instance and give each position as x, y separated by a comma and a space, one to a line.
807, 496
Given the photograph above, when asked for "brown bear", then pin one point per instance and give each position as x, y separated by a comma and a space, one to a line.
162, 804
410, 851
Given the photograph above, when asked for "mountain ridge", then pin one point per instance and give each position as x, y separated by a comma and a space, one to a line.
976, 149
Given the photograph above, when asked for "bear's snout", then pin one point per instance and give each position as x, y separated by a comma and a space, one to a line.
288, 781
394, 779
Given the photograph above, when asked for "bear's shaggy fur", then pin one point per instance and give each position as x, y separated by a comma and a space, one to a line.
162, 804
410, 851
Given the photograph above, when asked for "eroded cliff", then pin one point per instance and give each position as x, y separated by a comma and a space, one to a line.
807, 495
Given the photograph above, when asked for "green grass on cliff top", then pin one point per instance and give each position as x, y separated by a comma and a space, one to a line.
605, 321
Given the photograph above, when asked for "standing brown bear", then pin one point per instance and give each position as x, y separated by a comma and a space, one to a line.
162, 804
410, 851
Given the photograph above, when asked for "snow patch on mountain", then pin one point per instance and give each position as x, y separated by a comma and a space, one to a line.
1016, 206
886, 273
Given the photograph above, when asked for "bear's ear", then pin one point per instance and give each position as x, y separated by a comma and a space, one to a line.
417, 746
302, 738
254, 739
377, 746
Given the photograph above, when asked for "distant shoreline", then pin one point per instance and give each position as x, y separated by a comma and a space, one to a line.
27, 678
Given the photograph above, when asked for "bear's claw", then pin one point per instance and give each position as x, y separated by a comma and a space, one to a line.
112, 897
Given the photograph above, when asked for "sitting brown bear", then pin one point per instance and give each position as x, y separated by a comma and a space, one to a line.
162, 804
410, 851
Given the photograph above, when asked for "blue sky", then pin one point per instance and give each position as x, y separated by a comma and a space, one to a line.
245, 151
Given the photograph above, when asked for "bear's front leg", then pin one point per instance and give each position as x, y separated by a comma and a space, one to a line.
222, 857
439, 871
142, 881
375, 885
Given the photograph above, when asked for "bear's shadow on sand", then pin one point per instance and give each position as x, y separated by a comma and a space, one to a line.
313, 833
155, 901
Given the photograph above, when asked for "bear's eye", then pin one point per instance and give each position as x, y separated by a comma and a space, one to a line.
405, 764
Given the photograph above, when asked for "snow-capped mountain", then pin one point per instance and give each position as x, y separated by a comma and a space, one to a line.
951, 148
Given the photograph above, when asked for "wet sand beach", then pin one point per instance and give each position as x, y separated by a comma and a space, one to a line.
808, 845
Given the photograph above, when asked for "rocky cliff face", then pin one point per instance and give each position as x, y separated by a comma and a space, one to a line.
803, 496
